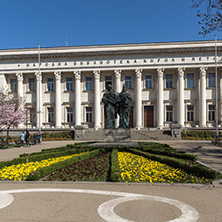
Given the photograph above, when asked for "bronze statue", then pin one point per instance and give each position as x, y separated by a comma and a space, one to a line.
117, 103
124, 107
110, 100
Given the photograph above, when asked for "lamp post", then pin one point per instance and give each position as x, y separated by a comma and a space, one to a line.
26, 113
39, 111
216, 94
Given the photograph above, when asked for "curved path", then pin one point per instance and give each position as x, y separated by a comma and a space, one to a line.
31, 201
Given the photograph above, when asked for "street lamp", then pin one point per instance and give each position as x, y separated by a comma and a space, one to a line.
39, 111
26, 113
216, 94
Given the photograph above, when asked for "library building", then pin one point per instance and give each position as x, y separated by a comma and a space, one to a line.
170, 83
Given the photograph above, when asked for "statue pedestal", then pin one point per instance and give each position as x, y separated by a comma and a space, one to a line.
79, 132
176, 130
120, 135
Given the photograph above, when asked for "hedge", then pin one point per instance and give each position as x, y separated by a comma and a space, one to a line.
199, 134
177, 154
115, 169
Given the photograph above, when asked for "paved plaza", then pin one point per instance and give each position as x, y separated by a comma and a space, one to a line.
83, 201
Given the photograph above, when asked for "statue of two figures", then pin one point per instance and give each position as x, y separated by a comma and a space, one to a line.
117, 103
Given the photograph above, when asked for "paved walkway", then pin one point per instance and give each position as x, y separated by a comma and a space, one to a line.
95, 202
11, 153
206, 153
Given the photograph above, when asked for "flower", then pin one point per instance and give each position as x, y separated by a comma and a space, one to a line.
21, 171
135, 168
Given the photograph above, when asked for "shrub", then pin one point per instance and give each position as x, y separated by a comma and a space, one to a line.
198, 134
115, 169
168, 152
68, 135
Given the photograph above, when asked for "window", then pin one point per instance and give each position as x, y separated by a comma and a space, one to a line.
211, 113
128, 82
169, 81
108, 80
50, 84
13, 85
32, 85
190, 79
50, 115
190, 113
88, 83
148, 82
69, 114
69, 84
169, 113
88, 114
211, 79
32, 115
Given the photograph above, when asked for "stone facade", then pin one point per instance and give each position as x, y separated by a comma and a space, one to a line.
171, 83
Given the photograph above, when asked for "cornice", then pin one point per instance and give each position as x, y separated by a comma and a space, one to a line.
129, 50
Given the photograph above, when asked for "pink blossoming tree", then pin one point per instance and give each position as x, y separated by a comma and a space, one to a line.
12, 112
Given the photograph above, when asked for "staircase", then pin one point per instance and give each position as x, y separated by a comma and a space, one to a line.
91, 135
143, 134
146, 134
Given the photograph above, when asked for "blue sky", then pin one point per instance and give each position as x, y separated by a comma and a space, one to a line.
24, 23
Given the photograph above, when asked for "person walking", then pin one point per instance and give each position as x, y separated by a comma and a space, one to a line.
27, 138
22, 137
39, 137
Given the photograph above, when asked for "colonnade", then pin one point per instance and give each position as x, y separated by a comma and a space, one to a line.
138, 97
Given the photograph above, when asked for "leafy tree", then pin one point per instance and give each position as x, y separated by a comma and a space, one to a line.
211, 19
12, 112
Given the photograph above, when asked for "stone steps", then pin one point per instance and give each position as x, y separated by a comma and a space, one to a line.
151, 135
143, 134
91, 134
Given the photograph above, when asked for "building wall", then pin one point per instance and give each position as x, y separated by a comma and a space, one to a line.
170, 83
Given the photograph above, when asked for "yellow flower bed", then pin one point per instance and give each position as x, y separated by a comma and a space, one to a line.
136, 168
21, 171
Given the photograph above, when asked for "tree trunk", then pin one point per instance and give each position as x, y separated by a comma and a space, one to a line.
7, 137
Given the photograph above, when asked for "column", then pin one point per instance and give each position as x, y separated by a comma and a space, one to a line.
77, 98
118, 80
160, 107
97, 100
118, 89
58, 100
180, 97
20, 91
3, 83
38, 99
20, 84
138, 99
202, 98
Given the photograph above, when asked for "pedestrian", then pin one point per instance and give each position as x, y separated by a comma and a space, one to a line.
22, 135
39, 137
27, 138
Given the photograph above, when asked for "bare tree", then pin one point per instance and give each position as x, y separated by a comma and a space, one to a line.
211, 18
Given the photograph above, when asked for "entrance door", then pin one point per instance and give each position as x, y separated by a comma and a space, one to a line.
148, 116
